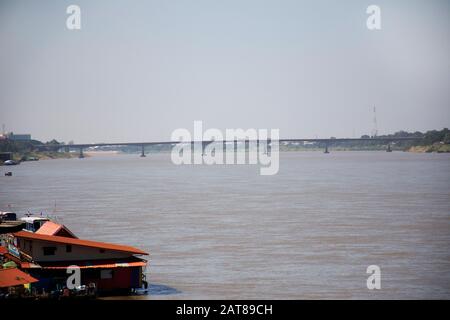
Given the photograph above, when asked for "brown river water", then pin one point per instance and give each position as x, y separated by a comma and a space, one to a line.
226, 232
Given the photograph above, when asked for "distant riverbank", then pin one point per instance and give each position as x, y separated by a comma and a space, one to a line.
439, 148
43, 155
101, 153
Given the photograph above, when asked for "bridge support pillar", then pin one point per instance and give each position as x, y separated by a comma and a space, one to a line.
143, 151
263, 146
388, 149
247, 148
81, 155
204, 144
224, 146
326, 149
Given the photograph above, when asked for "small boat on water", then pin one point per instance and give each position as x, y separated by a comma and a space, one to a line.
25, 158
8, 216
11, 226
9, 223
11, 163
34, 223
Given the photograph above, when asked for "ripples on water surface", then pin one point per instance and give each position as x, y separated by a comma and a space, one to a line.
227, 232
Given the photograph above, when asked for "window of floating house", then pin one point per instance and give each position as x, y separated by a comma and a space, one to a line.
49, 251
68, 248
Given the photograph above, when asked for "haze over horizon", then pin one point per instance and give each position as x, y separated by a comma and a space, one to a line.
137, 71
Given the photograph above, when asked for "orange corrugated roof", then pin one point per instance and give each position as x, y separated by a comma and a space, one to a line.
51, 228
86, 264
14, 277
105, 265
109, 266
79, 242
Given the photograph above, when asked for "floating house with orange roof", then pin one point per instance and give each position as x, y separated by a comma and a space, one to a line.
47, 253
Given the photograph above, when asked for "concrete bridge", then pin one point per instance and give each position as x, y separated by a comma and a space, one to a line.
326, 142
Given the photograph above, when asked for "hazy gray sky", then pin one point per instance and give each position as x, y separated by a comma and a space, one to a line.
137, 70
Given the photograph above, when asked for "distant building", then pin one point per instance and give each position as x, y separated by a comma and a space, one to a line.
18, 137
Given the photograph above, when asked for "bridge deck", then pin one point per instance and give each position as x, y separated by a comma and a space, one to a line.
330, 140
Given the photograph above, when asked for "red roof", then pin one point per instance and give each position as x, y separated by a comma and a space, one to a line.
14, 277
3, 250
78, 242
51, 228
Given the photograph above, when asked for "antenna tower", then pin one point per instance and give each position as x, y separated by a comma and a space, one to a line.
375, 126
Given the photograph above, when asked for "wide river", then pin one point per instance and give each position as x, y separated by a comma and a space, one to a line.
227, 232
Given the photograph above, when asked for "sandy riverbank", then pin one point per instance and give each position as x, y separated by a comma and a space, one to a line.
100, 153
439, 148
